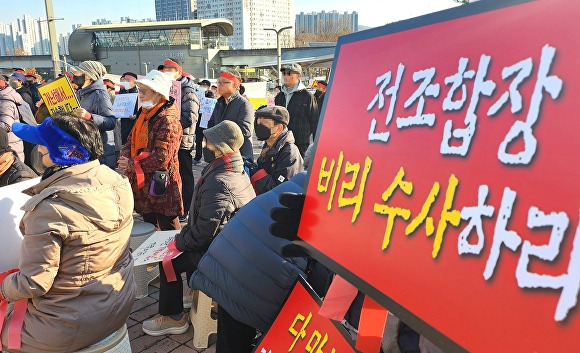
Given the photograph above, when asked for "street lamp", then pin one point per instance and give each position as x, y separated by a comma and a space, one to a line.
279, 50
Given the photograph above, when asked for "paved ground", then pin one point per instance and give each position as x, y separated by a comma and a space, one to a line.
144, 309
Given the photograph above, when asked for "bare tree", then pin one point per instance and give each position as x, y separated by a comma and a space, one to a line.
19, 51
462, 2
324, 31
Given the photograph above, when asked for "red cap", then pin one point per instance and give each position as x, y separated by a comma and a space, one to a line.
171, 63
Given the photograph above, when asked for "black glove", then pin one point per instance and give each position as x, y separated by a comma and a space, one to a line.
250, 167
286, 219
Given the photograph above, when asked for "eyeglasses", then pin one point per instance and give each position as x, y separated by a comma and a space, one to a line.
287, 73
224, 82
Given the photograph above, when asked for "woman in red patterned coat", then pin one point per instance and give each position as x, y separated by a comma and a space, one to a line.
152, 147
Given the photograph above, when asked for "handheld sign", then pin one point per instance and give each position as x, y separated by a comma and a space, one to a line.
206, 107
59, 96
446, 188
175, 92
299, 328
154, 249
124, 105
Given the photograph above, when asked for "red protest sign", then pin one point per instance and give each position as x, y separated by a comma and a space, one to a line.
445, 186
299, 328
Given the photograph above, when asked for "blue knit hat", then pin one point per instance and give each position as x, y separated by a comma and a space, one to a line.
63, 149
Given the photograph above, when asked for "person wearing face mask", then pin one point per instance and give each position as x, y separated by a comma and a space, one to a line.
32, 84
280, 159
220, 192
128, 85
151, 148
16, 81
95, 104
189, 116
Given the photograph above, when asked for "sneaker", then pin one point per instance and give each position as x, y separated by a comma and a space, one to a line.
161, 325
183, 219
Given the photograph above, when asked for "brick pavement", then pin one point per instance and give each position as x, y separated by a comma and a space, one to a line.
146, 308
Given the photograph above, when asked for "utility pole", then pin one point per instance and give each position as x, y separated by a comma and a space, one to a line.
52, 37
280, 81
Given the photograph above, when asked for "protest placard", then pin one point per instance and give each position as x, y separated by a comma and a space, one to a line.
206, 107
175, 92
11, 201
444, 186
59, 96
154, 249
124, 105
299, 327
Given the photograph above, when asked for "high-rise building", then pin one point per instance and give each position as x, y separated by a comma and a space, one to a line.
250, 17
316, 22
25, 36
173, 10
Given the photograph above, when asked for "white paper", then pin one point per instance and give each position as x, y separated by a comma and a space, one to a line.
153, 249
206, 107
124, 105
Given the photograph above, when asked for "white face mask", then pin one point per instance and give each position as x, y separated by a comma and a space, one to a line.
126, 85
147, 104
171, 75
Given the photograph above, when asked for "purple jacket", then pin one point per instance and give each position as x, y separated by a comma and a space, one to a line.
9, 100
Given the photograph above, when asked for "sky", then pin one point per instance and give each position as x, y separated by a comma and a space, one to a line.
85, 11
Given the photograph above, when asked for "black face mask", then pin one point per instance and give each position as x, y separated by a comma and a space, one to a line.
262, 132
79, 80
208, 155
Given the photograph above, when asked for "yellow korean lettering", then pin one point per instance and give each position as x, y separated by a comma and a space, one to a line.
302, 332
326, 176
313, 341
392, 212
447, 215
354, 169
422, 216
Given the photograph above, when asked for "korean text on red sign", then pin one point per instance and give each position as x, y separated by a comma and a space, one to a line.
448, 180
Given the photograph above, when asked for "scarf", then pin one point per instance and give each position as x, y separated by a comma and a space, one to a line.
140, 132
6, 161
289, 91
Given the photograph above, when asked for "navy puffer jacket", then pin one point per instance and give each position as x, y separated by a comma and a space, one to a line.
243, 269
95, 99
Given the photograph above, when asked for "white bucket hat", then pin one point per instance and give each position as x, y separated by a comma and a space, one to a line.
157, 81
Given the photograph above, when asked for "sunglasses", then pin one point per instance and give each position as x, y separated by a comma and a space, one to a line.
287, 73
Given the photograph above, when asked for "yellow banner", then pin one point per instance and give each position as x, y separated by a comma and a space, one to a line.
59, 96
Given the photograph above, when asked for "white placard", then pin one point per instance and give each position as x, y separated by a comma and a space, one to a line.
154, 248
124, 105
206, 107
255, 89
11, 199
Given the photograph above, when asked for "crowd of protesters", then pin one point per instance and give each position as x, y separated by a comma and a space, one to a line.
144, 164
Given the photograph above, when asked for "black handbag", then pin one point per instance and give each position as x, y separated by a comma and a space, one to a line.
159, 182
